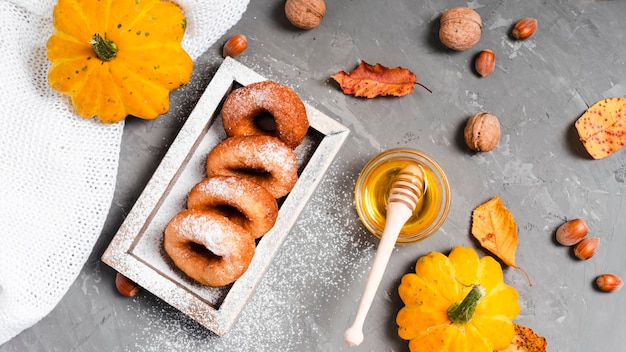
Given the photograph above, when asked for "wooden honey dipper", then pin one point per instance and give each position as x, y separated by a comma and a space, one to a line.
406, 191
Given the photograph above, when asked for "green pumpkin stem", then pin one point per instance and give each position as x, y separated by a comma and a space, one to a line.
462, 312
105, 49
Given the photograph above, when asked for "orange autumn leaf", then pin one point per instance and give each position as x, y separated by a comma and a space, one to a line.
602, 128
370, 81
494, 227
526, 340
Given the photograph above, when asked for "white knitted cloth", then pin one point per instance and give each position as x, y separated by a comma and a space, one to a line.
57, 171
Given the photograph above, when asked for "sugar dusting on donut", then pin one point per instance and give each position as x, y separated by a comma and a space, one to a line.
262, 97
235, 155
231, 246
226, 187
244, 104
242, 201
268, 153
258, 97
205, 231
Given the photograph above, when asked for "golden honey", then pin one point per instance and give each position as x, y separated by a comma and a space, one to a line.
375, 181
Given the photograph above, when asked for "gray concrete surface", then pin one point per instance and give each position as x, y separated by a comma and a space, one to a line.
540, 170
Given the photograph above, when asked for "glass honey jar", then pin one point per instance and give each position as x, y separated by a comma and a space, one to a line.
374, 183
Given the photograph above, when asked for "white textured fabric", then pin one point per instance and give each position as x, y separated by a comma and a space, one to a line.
57, 171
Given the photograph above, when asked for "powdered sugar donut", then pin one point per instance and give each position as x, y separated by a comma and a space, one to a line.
208, 247
244, 104
264, 160
241, 201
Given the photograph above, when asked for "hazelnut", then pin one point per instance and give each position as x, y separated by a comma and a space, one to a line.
305, 14
235, 46
482, 132
609, 282
460, 28
125, 286
525, 28
571, 232
485, 62
586, 248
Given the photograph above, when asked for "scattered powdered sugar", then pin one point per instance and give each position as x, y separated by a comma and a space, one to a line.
299, 280
324, 253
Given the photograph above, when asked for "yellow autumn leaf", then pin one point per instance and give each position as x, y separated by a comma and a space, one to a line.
495, 229
602, 128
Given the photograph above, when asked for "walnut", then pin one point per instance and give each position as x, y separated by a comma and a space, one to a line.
482, 132
460, 28
305, 14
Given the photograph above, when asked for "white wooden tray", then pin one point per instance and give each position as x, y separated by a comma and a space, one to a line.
137, 252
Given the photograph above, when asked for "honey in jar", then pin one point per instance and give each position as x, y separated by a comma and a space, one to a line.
375, 181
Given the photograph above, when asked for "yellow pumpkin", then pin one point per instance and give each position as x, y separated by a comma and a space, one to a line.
457, 303
116, 58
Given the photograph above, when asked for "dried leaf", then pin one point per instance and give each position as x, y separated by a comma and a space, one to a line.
494, 227
371, 81
602, 128
526, 340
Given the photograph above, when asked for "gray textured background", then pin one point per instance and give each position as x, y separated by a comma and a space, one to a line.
540, 170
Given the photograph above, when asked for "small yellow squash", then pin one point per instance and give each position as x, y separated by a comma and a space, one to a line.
116, 58
457, 303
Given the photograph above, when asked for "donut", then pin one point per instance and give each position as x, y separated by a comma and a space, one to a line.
244, 104
241, 201
264, 160
208, 247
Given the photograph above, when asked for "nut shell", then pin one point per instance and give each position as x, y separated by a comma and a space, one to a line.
482, 132
586, 248
485, 62
609, 282
235, 46
305, 14
524, 28
125, 286
460, 28
571, 232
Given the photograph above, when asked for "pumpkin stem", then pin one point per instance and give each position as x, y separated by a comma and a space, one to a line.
105, 49
462, 312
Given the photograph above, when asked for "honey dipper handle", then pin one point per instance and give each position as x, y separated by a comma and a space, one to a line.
397, 216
